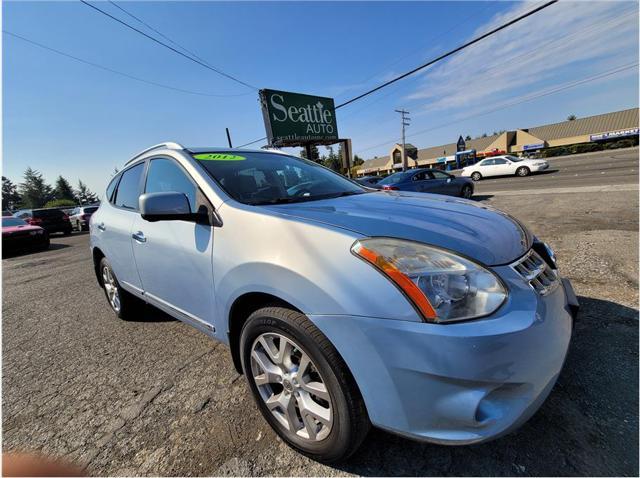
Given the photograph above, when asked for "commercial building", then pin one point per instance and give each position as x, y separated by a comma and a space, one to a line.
604, 127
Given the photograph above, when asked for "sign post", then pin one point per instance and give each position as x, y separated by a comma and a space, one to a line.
461, 145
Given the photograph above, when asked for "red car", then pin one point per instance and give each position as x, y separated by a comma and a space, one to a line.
17, 234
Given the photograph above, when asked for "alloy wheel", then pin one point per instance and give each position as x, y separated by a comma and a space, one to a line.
111, 288
291, 386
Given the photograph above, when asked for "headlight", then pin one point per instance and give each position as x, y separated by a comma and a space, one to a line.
443, 286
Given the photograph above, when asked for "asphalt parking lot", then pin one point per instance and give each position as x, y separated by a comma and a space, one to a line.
155, 397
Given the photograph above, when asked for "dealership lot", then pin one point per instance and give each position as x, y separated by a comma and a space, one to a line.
155, 397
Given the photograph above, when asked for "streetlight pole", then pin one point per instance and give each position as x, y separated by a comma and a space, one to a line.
405, 118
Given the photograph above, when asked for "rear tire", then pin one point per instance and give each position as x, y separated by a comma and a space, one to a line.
476, 176
123, 304
317, 410
523, 171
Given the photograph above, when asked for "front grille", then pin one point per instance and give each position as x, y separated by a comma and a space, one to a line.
536, 272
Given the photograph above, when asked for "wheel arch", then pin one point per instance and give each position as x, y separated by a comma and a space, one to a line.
242, 307
97, 255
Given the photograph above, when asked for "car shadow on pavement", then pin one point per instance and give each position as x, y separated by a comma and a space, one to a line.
587, 426
149, 313
481, 197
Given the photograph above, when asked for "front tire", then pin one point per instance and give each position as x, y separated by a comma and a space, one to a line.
523, 171
123, 304
301, 384
466, 192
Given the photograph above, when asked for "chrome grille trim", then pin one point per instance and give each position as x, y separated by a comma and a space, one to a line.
534, 269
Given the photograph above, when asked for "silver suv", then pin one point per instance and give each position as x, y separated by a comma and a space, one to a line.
433, 317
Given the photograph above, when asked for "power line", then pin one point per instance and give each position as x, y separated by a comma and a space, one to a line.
195, 60
138, 19
514, 103
111, 70
449, 53
439, 58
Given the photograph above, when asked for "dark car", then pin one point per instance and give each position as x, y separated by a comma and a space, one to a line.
370, 181
50, 219
428, 181
80, 216
17, 234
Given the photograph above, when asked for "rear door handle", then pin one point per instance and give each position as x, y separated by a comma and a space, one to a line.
139, 236
101, 226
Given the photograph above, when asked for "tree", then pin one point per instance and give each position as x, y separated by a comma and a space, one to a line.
34, 191
315, 154
332, 161
10, 196
357, 160
571, 118
63, 189
467, 137
84, 195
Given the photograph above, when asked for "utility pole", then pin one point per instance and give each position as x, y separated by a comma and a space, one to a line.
405, 123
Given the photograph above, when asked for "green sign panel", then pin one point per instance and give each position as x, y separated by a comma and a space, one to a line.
293, 119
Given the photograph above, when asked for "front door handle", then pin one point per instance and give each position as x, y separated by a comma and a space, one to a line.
101, 226
139, 236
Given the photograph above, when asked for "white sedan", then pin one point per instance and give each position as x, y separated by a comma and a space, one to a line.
504, 166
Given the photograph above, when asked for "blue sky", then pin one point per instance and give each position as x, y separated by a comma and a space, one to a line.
64, 117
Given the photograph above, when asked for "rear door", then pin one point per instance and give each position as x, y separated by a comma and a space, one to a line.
175, 257
419, 182
487, 167
114, 225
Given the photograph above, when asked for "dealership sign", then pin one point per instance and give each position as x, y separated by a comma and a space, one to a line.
614, 134
529, 147
294, 119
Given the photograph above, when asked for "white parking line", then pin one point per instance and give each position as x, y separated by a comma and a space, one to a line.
578, 189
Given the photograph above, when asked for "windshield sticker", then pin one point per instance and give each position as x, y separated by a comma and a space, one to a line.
218, 157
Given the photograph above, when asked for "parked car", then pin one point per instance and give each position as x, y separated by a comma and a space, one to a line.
504, 166
370, 181
50, 219
428, 181
432, 317
80, 216
17, 234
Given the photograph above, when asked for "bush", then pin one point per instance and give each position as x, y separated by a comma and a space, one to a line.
61, 203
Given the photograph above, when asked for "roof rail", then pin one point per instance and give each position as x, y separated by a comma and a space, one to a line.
167, 145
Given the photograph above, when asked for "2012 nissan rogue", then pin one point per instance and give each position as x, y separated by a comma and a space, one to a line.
433, 317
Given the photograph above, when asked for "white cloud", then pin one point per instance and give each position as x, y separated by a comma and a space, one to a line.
566, 41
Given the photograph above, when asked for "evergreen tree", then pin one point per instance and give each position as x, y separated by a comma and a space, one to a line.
34, 191
571, 118
84, 195
467, 137
332, 161
63, 189
357, 160
10, 196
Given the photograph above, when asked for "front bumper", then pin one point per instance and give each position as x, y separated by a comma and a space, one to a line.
540, 167
464, 382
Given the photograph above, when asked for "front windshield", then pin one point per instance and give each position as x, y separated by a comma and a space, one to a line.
270, 178
396, 177
12, 221
515, 159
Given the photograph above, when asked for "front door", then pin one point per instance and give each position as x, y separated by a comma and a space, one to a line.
174, 258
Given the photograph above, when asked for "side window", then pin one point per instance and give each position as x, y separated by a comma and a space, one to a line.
419, 176
166, 175
487, 162
439, 175
129, 188
499, 161
110, 188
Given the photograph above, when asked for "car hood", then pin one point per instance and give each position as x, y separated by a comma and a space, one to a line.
475, 230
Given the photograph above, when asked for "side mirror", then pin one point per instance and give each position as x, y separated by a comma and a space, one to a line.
448, 180
168, 206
